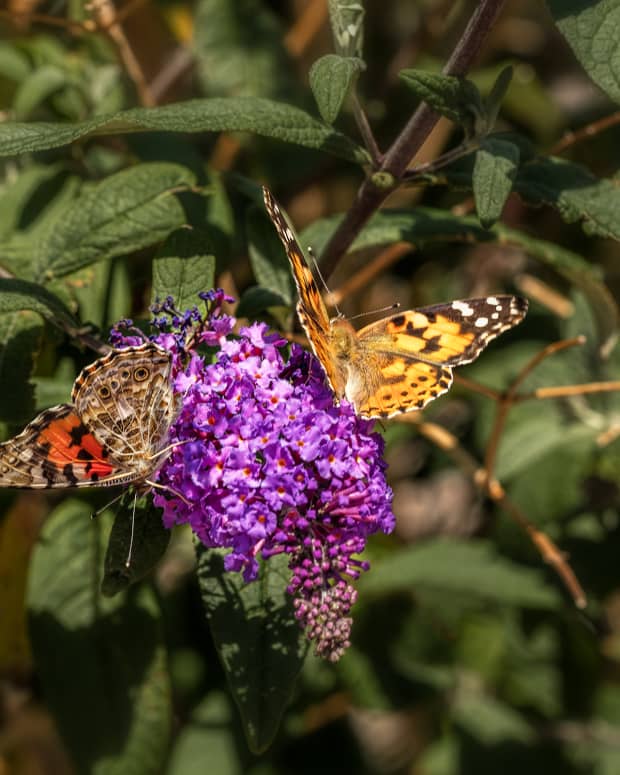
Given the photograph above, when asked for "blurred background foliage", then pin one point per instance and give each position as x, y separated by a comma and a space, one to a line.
468, 654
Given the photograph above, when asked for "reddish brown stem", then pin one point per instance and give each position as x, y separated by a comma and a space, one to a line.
370, 196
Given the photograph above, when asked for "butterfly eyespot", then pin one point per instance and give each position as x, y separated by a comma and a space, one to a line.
140, 374
125, 374
115, 384
104, 392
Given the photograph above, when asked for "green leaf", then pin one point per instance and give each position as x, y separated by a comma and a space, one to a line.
88, 646
347, 22
527, 101
219, 219
14, 64
258, 639
30, 208
489, 720
257, 299
331, 78
182, 269
268, 259
592, 28
577, 194
460, 568
207, 743
263, 117
127, 211
34, 89
137, 542
16, 196
239, 50
493, 101
16, 295
495, 169
455, 98
20, 337
544, 431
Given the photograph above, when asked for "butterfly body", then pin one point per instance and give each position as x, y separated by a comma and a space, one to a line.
402, 362
115, 431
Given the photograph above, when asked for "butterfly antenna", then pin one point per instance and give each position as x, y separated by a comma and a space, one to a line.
133, 525
323, 283
396, 305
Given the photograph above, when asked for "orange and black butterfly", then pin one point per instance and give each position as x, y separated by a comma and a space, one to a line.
404, 361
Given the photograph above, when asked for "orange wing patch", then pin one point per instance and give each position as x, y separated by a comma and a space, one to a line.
405, 385
54, 450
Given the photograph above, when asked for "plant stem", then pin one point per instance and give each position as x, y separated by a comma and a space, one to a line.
370, 196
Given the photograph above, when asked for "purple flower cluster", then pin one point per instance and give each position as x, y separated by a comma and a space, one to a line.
270, 465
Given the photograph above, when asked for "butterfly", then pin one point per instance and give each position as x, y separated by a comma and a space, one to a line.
114, 432
402, 362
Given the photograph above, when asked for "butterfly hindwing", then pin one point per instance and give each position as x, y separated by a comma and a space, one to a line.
389, 385
127, 401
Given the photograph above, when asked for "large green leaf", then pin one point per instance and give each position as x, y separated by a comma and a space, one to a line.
264, 117
577, 194
592, 28
461, 568
104, 654
183, 268
259, 641
126, 211
16, 194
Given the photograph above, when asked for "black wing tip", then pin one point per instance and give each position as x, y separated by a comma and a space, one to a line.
519, 305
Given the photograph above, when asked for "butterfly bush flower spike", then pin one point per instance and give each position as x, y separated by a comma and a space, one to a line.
269, 465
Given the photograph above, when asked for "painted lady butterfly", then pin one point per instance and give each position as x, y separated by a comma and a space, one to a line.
402, 362
114, 432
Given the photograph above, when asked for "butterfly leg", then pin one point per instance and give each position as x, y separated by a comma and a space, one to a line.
107, 505
165, 487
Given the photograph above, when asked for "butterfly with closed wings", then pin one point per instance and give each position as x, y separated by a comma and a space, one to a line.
115, 431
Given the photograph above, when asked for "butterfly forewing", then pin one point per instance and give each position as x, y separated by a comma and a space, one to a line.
450, 334
311, 310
